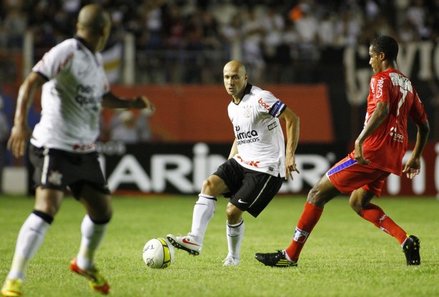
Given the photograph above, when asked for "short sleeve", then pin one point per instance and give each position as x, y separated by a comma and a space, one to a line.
55, 60
381, 89
270, 104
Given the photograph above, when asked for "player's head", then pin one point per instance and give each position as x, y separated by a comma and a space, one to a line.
383, 52
94, 25
235, 78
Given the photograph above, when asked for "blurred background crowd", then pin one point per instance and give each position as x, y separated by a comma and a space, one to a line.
186, 42
266, 34
281, 42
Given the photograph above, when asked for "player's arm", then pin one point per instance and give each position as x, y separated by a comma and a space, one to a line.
233, 150
376, 119
412, 166
109, 100
292, 129
20, 130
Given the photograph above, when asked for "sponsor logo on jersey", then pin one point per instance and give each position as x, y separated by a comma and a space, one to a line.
398, 137
271, 126
247, 136
379, 88
263, 104
84, 95
251, 163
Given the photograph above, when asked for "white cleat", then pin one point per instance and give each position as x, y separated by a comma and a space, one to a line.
230, 261
186, 243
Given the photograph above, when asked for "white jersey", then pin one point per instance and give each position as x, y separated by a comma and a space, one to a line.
258, 133
71, 98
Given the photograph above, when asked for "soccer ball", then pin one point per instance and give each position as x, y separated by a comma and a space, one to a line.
158, 253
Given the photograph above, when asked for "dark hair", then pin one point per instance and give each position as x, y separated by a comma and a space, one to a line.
386, 45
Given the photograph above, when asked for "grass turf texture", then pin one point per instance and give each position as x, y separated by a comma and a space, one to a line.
345, 255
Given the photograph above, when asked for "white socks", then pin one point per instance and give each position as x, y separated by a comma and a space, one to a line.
204, 209
92, 235
29, 240
235, 234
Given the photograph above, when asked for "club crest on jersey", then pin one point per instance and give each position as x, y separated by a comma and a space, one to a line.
247, 111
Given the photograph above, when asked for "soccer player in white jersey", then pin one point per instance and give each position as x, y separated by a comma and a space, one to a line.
258, 162
74, 88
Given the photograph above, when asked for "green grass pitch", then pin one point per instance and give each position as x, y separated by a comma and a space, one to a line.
345, 255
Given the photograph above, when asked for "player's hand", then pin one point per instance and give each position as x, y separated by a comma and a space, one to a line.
290, 167
412, 168
18, 140
358, 154
147, 104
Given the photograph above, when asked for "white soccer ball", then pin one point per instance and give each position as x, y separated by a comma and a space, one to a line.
158, 253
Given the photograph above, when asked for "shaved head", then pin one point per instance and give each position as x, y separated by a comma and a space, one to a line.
93, 17
94, 25
235, 66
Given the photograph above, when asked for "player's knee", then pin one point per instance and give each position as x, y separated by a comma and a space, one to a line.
356, 204
233, 214
107, 215
101, 218
50, 209
314, 197
209, 186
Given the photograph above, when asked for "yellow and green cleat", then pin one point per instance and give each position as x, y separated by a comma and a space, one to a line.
12, 288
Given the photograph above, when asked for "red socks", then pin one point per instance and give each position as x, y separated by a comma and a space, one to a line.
376, 216
311, 215
309, 218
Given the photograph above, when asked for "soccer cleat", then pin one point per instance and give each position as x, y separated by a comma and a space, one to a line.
186, 243
12, 288
411, 248
277, 259
230, 261
96, 281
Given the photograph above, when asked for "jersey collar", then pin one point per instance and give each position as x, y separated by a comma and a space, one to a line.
82, 40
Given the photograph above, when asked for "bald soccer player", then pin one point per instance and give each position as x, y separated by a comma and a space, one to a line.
258, 163
62, 146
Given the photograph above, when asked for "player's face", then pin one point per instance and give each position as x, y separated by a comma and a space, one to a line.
375, 59
235, 80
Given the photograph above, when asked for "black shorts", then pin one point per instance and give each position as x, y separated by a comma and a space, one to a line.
250, 190
58, 169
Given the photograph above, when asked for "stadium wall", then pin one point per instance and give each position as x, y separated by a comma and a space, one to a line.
181, 168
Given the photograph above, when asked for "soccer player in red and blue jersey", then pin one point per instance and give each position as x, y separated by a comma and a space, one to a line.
378, 151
